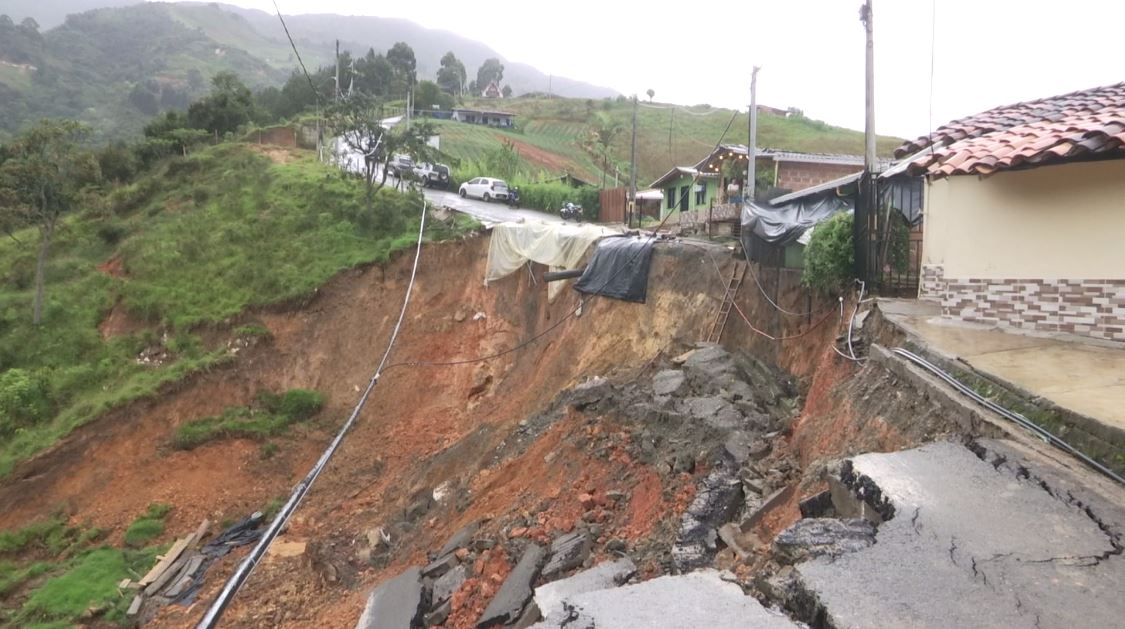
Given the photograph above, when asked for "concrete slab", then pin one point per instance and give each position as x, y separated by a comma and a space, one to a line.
516, 590
394, 604
689, 601
971, 545
1085, 377
549, 598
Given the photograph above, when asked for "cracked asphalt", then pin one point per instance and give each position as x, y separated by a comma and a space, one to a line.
981, 538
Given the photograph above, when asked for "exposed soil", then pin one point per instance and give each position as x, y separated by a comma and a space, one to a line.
551, 162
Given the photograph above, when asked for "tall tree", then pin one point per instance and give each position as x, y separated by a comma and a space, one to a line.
229, 105
651, 92
357, 121
39, 183
428, 95
374, 74
401, 58
489, 71
605, 130
451, 76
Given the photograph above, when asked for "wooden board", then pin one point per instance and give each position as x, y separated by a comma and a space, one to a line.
164, 564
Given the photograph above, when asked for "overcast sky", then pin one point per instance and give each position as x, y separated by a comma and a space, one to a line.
986, 53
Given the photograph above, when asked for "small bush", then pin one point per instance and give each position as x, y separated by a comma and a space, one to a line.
274, 415
24, 400
830, 255
252, 331
300, 404
112, 233
147, 527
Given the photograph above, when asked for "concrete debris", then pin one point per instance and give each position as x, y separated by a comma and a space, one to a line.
699, 599
714, 411
716, 501
668, 382
395, 603
507, 605
567, 552
439, 615
814, 537
440, 566
460, 539
817, 506
764, 508
549, 598
479, 316
737, 446
448, 583
969, 544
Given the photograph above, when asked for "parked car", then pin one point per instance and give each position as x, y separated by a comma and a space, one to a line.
433, 175
485, 188
400, 164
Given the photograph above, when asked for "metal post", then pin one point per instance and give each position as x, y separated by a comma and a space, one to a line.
633, 169
752, 140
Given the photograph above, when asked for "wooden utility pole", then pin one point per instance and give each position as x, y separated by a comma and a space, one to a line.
633, 168
752, 140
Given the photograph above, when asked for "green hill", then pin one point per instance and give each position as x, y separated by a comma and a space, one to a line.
554, 136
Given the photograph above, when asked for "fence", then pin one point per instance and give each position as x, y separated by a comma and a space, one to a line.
614, 202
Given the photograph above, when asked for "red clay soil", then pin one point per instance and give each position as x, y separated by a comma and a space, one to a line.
551, 162
423, 427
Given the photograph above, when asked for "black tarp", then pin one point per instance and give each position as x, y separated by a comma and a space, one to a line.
619, 269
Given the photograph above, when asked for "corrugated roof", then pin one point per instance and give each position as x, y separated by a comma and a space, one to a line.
790, 156
828, 185
1074, 126
675, 173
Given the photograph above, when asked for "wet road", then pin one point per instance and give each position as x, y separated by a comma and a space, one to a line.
486, 212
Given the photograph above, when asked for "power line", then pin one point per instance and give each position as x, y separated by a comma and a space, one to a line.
308, 78
215, 612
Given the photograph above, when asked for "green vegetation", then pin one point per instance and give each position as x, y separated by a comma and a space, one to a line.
13, 575
200, 239
830, 255
147, 527
88, 582
272, 416
48, 537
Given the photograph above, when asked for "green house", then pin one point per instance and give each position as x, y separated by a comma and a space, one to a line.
687, 189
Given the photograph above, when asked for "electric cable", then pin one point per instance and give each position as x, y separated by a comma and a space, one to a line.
247, 565
308, 78
1013, 416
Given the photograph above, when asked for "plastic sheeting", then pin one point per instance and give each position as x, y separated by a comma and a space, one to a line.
557, 245
785, 223
619, 269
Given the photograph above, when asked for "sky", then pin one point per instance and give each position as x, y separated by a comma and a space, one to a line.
984, 53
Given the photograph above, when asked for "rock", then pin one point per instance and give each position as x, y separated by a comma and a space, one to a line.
759, 449
767, 505
730, 534
508, 603
737, 446
395, 603
447, 584
616, 496
814, 537
567, 552
460, 316
549, 598
699, 599
461, 553
530, 616
439, 614
519, 531
682, 358
714, 411
586, 500
377, 537
440, 566
710, 362
483, 544
615, 546
668, 382
460, 539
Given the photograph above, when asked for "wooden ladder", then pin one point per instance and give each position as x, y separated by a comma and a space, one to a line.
737, 274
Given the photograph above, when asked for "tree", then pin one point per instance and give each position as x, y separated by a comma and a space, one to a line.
451, 75
605, 130
356, 119
507, 91
650, 93
374, 74
229, 105
172, 132
428, 94
40, 182
401, 58
489, 71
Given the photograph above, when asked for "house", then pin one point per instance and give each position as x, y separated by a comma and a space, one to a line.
502, 119
492, 90
1025, 214
720, 176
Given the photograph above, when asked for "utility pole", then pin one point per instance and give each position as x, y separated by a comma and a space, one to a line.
865, 211
752, 141
337, 70
633, 168
865, 16
550, 78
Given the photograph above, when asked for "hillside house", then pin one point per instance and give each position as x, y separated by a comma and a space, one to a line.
502, 119
492, 90
1024, 214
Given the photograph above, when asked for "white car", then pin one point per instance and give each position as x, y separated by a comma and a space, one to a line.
485, 188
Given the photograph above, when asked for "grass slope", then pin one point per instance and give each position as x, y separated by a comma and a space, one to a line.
196, 242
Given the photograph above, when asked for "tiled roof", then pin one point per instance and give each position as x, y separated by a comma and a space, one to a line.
1073, 126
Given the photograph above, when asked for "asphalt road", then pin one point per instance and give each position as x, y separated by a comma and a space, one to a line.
486, 212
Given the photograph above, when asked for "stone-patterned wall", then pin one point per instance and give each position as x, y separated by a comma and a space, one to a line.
1092, 307
800, 175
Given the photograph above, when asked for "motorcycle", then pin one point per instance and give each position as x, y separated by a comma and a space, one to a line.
571, 212
513, 197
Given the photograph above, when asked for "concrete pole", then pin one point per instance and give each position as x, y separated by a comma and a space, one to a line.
869, 162
752, 140
337, 95
633, 167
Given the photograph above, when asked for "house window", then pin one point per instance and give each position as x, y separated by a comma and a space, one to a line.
670, 196
701, 194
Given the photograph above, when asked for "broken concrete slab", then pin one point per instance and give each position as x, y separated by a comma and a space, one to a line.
460, 539
447, 584
699, 599
439, 614
508, 603
714, 411
716, 501
814, 537
710, 363
603, 576
970, 544
395, 603
668, 382
567, 552
440, 566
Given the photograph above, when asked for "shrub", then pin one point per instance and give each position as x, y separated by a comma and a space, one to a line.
830, 255
300, 404
147, 527
24, 399
273, 417
112, 232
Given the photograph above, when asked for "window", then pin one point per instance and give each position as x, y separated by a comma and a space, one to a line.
701, 194
670, 196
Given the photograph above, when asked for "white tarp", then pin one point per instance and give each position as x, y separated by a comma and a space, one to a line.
557, 245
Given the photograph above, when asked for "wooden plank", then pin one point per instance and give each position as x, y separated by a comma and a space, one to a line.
135, 606
165, 563
199, 532
166, 576
192, 564
179, 586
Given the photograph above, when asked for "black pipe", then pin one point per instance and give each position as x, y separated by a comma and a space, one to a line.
554, 276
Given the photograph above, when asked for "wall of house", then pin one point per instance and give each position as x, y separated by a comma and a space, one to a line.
1039, 249
800, 175
711, 193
